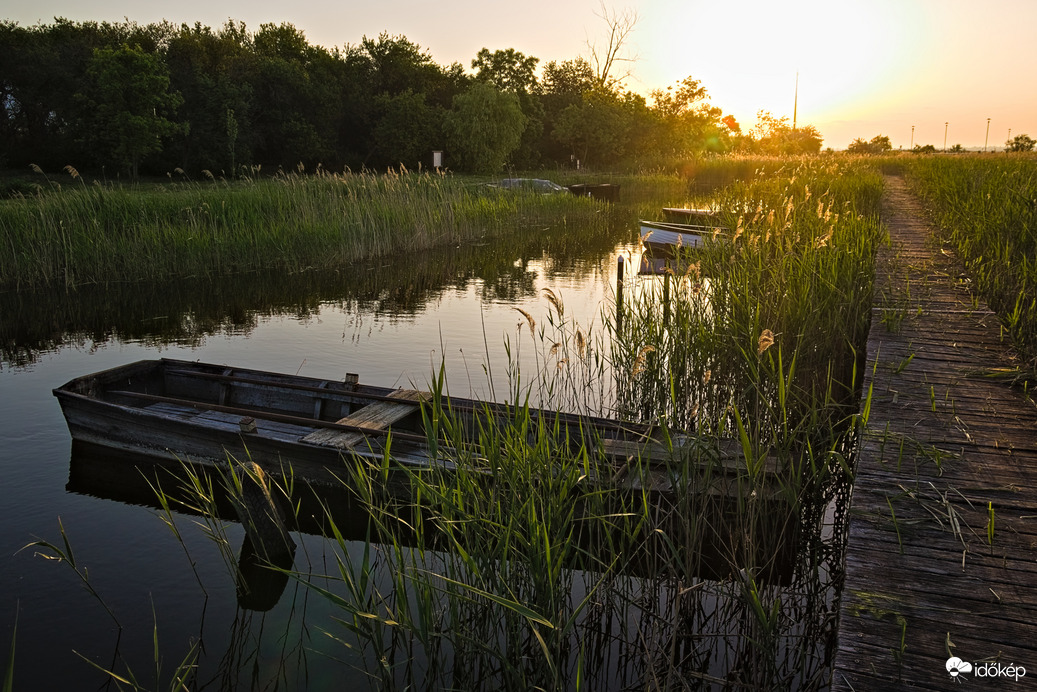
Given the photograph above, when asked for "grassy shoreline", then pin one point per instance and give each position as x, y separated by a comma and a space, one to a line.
85, 234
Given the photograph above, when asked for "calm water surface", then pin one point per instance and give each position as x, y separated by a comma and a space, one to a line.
391, 322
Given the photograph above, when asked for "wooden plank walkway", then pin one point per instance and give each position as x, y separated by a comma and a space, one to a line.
946, 447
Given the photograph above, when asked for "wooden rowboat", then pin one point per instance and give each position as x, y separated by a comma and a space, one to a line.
172, 409
180, 414
664, 241
705, 217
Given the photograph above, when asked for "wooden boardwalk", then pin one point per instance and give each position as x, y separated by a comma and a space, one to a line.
947, 448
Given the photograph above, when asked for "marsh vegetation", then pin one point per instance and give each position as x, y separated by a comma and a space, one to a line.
74, 233
987, 207
553, 572
538, 564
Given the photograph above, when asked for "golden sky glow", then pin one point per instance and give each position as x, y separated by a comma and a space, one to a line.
866, 67
751, 63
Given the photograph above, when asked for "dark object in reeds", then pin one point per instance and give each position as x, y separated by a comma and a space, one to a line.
605, 192
260, 514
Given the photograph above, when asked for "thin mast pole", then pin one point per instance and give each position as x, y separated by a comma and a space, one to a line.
795, 103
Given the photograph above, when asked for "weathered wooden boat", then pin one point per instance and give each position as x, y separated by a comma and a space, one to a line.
173, 409
605, 192
664, 241
182, 414
702, 217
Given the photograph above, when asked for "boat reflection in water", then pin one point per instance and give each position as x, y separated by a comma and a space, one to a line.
135, 479
313, 508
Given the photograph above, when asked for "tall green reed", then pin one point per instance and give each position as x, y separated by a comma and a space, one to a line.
988, 207
525, 557
529, 558
101, 233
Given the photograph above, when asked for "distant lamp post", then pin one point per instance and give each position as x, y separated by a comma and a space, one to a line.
945, 136
987, 140
912, 137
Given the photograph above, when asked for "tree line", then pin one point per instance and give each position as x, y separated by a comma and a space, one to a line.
128, 98
880, 144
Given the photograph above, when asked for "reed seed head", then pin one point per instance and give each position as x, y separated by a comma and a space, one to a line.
765, 342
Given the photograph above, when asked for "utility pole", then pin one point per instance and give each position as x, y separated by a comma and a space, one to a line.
945, 136
985, 141
795, 103
912, 137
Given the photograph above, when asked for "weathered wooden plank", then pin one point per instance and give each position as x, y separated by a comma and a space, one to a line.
374, 417
940, 570
727, 454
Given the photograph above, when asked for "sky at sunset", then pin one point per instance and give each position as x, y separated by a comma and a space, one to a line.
865, 67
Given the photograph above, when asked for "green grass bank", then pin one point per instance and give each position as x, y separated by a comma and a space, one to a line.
76, 233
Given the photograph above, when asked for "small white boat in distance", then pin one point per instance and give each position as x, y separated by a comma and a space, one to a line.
662, 241
705, 217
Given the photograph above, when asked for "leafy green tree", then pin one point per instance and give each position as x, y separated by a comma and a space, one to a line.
207, 68
406, 128
776, 136
508, 70
126, 101
293, 105
1020, 143
561, 85
879, 144
486, 127
685, 122
569, 79
512, 72
601, 129
397, 64
42, 71
858, 146
381, 74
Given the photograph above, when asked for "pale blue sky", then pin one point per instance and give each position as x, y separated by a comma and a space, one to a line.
866, 67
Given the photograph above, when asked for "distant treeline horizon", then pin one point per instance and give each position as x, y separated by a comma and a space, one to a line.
127, 98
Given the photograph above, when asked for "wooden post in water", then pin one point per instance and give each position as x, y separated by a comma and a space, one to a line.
262, 517
619, 295
666, 299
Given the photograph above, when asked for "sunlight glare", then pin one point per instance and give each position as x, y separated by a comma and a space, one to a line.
747, 53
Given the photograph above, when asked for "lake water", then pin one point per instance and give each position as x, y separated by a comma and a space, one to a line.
392, 321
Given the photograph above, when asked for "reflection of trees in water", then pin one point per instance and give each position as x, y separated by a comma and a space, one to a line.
187, 311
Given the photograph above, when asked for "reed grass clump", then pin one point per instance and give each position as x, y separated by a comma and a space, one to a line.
988, 208
796, 263
528, 558
80, 234
532, 560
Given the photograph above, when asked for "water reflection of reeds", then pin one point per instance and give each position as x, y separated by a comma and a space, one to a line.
186, 312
